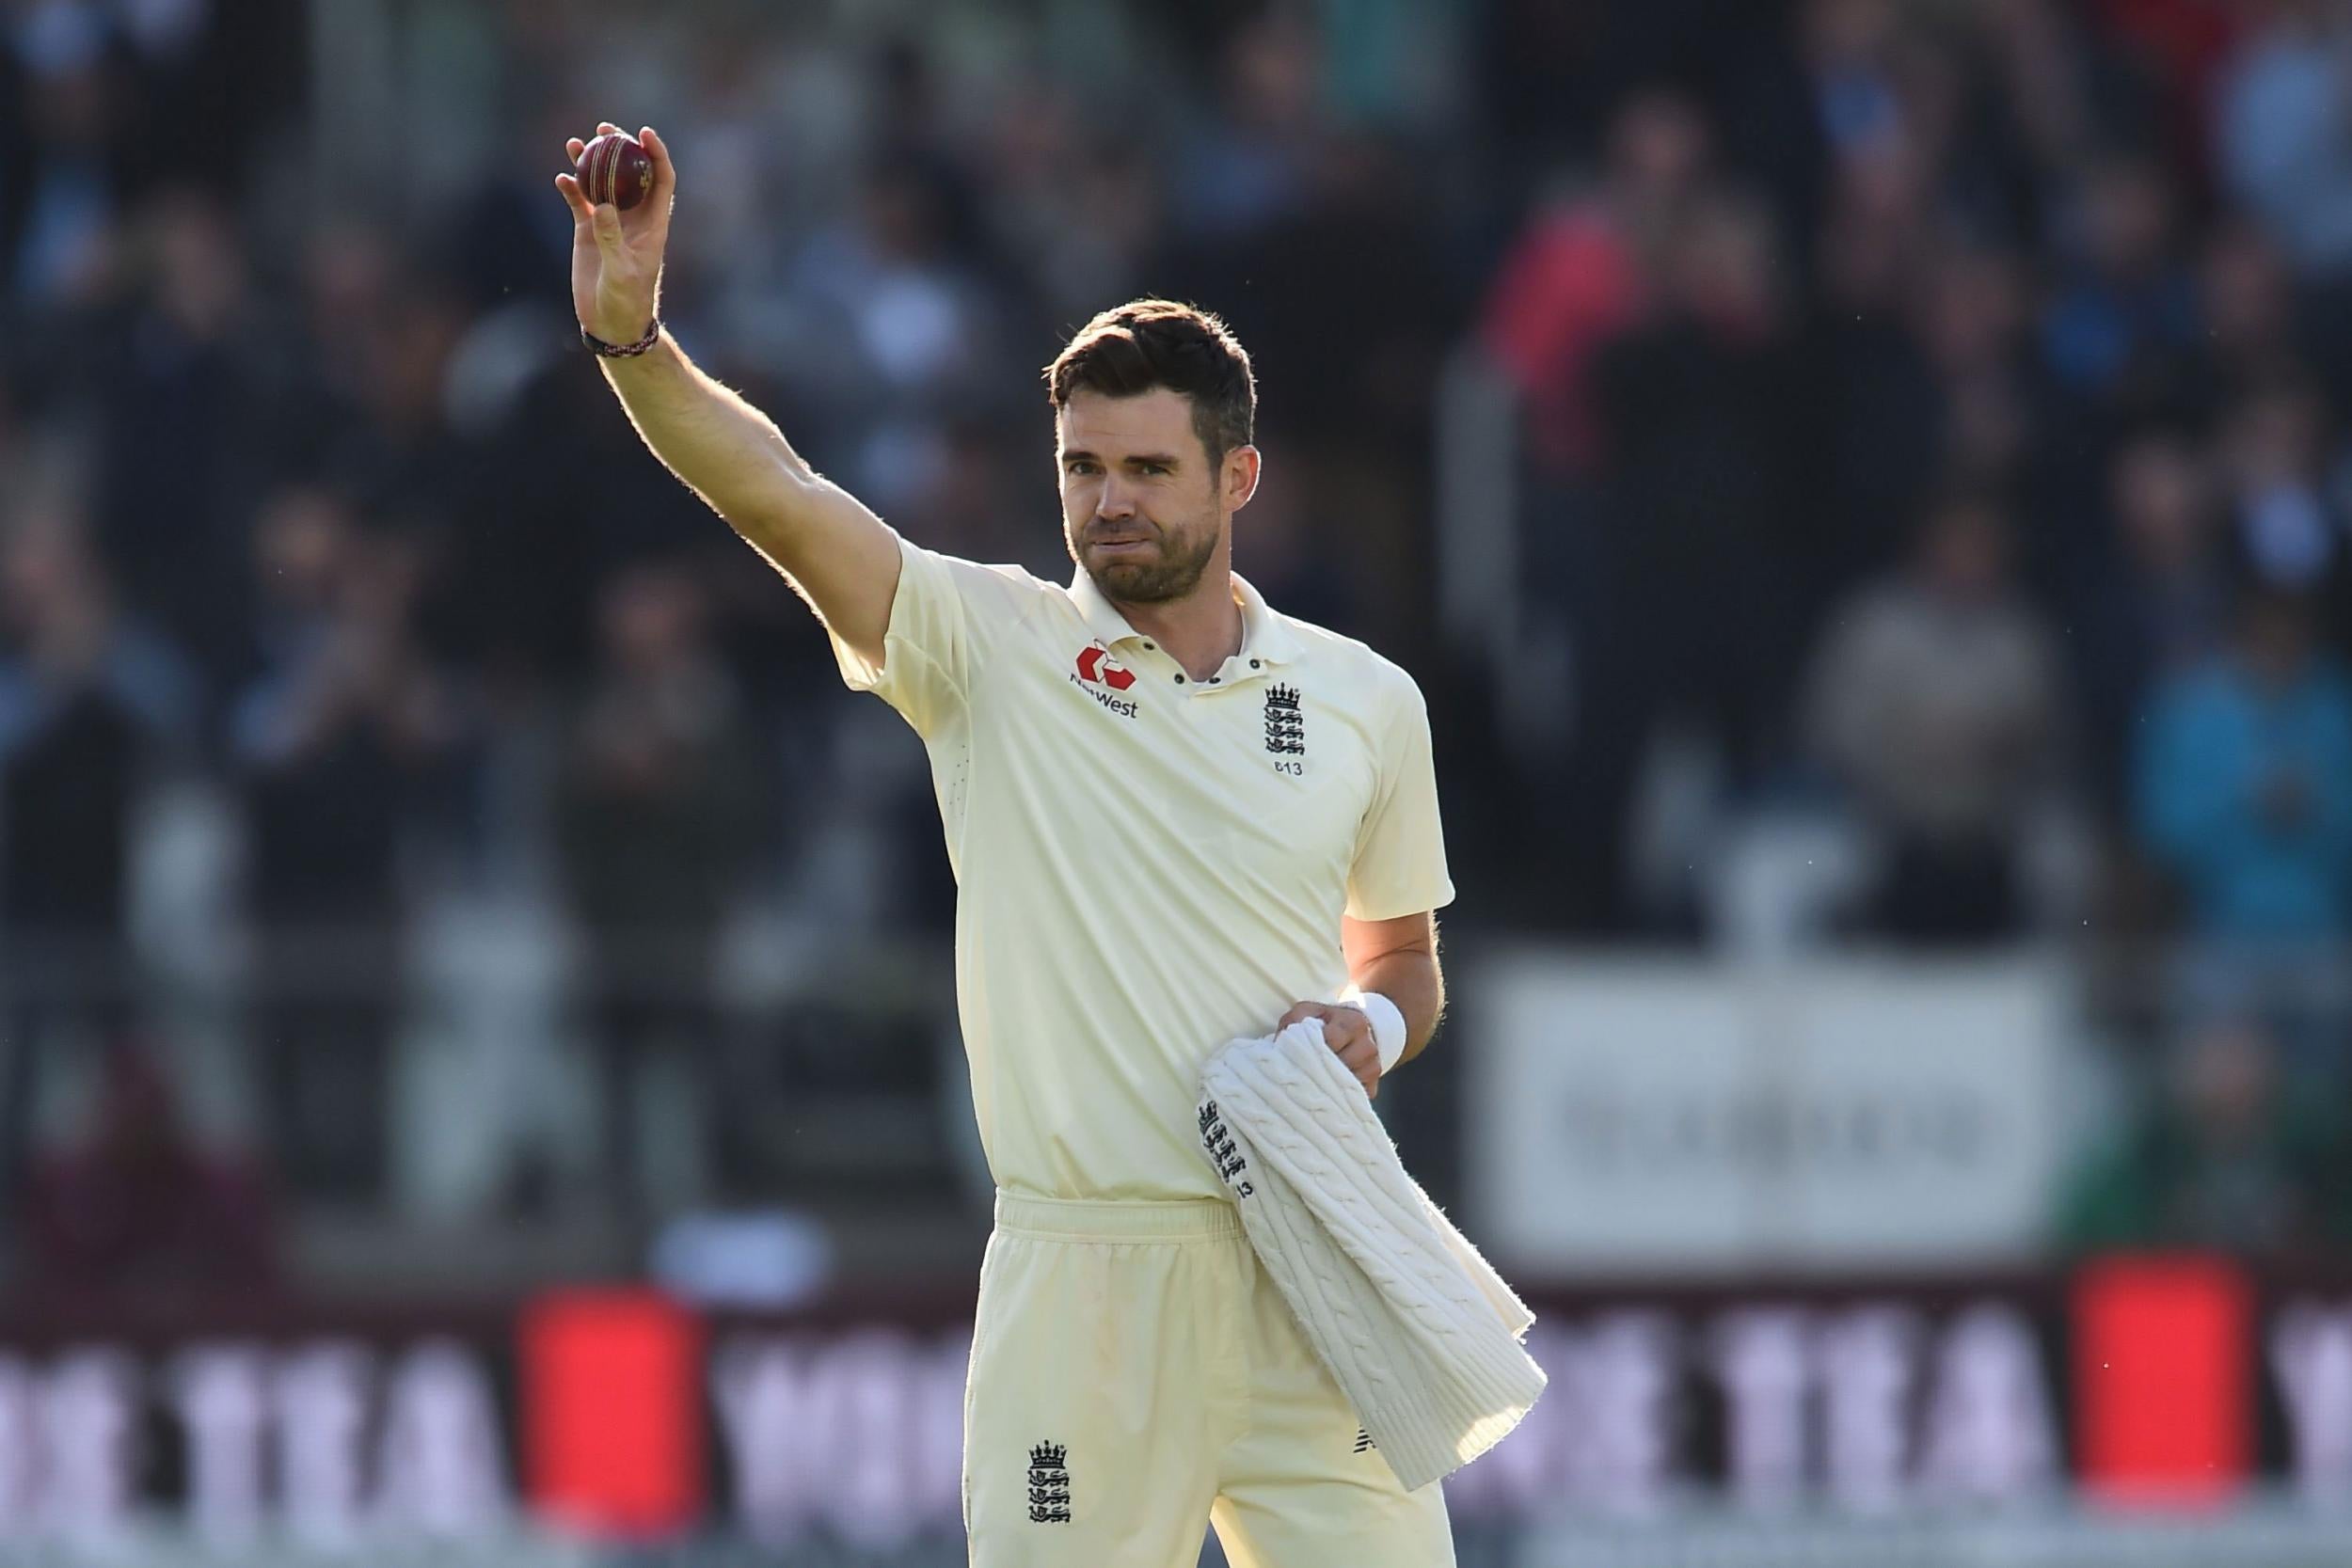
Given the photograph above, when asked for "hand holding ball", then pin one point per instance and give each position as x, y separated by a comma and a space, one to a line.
613, 170
619, 190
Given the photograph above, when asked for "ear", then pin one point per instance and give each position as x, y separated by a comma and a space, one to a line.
1240, 477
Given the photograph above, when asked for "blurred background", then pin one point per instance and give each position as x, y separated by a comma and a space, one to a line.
1865, 485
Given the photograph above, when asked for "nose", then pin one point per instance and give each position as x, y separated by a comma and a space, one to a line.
1114, 503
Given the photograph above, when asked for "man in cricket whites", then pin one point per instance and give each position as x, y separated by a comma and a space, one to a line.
1176, 817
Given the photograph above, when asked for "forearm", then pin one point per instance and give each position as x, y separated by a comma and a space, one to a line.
724, 450
840, 556
1415, 983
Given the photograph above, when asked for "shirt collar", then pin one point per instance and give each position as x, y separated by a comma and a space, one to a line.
1102, 617
1262, 634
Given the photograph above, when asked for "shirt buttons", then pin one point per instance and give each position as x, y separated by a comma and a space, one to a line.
1215, 680
1180, 680
1253, 664
1151, 648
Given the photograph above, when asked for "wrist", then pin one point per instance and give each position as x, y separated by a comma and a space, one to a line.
627, 347
1387, 1023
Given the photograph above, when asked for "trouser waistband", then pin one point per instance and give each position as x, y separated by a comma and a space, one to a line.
1203, 1219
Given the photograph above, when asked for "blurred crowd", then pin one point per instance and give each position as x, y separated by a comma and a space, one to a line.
1935, 404
1933, 426
1937, 428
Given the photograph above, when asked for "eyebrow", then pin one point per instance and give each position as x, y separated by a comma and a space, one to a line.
1165, 460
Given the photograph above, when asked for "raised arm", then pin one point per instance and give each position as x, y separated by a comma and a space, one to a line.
839, 556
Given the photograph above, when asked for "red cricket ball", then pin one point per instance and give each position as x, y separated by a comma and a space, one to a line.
615, 169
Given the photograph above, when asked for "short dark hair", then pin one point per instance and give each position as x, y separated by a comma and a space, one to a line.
1146, 343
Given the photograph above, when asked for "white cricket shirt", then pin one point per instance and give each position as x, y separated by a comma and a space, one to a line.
1147, 866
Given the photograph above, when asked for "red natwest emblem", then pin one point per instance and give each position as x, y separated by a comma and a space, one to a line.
1097, 667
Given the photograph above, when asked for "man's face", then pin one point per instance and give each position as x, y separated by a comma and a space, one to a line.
1143, 509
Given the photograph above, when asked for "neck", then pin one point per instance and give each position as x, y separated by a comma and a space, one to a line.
1200, 631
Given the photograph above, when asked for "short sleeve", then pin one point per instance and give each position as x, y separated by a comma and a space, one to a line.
1399, 867
943, 619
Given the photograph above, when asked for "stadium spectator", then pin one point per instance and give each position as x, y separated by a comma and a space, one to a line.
336, 741
2253, 331
91, 707
401, 454
2224, 1155
657, 810
898, 325
1849, 50
182, 426
1086, 210
1706, 456
1363, 308
2282, 137
2161, 608
67, 106
1935, 701
2244, 781
2184, 45
1879, 400
348, 270
1824, 88
2068, 94
1971, 313
136, 1208
1361, 312
2125, 316
1579, 273
2288, 527
1246, 163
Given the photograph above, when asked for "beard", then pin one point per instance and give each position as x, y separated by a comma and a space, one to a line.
1175, 572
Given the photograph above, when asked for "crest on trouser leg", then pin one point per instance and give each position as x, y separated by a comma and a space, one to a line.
1049, 1485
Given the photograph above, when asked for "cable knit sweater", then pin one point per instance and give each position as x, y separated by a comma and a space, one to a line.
1421, 1334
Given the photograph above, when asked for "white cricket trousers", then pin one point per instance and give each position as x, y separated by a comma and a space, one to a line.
1136, 1372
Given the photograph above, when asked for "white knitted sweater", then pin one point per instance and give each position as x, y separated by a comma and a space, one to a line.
1421, 1334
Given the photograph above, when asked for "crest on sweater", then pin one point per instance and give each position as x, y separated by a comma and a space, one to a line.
1222, 1154
1049, 1485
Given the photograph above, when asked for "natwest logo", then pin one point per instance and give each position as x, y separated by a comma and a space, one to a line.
1097, 667
1098, 675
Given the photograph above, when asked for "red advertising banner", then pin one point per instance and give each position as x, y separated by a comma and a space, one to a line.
2164, 1397
611, 1411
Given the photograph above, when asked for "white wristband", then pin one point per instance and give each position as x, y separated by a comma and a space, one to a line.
1387, 1023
